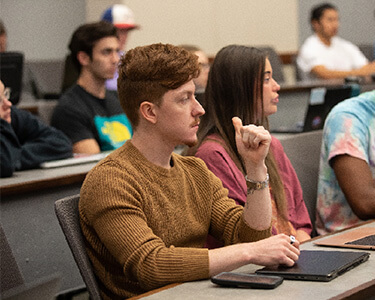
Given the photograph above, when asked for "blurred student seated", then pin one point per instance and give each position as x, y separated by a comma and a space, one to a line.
3, 37
325, 55
201, 81
89, 114
346, 189
122, 17
26, 142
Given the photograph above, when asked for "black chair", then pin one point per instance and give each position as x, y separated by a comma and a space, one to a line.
44, 78
11, 73
303, 151
368, 51
70, 74
67, 213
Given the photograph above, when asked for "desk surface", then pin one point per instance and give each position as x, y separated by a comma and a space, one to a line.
366, 84
353, 282
33, 105
34, 180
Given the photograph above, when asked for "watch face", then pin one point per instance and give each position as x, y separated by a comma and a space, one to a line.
256, 185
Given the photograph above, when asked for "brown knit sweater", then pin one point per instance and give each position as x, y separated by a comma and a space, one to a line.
145, 226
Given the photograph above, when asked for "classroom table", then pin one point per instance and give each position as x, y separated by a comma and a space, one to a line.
31, 226
358, 283
366, 84
293, 101
39, 179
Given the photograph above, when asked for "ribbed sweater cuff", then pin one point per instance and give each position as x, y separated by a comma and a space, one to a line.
248, 234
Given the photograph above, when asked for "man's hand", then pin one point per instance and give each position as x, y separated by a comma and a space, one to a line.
275, 250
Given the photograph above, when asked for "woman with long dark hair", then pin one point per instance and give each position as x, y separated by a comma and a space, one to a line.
240, 84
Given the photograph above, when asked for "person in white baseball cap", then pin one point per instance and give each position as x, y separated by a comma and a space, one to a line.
122, 17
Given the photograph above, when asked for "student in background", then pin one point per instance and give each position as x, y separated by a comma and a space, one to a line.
325, 55
240, 84
201, 81
122, 17
3, 37
25, 141
346, 189
145, 211
89, 114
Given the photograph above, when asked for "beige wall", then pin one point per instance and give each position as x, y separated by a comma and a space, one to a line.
95, 8
210, 24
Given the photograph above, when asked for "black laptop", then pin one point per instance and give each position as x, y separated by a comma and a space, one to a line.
315, 265
320, 103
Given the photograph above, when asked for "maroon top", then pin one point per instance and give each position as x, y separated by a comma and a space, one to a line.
220, 163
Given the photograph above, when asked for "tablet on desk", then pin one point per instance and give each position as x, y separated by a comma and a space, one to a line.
75, 160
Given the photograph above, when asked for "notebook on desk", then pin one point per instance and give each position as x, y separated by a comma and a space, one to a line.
318, 265
75, 160
357, 238
321, 101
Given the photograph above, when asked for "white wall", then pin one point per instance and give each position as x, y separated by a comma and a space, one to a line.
211, 24
95, 8
41, 28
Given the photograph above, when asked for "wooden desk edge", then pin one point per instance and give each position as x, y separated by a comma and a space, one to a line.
357, 293
363, 291
37, 185
360, 292
166, 287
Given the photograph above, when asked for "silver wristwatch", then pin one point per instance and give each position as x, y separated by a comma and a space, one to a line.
256, 185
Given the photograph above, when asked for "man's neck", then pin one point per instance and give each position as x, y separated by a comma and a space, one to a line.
325, 40
92, 85
153, 148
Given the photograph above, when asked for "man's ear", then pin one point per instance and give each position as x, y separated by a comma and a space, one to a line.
314, 25
147, 110
83, 58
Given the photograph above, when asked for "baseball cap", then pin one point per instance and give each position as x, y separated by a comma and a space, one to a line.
120, 16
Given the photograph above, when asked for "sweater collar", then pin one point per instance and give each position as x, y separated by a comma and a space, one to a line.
133, 154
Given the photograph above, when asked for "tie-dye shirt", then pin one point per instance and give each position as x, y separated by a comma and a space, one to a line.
349, 129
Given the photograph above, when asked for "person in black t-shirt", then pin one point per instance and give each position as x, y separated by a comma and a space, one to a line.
87, 113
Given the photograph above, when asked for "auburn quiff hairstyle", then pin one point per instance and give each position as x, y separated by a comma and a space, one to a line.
146, 73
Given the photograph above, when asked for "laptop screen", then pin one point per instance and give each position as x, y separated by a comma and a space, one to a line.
321, 101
